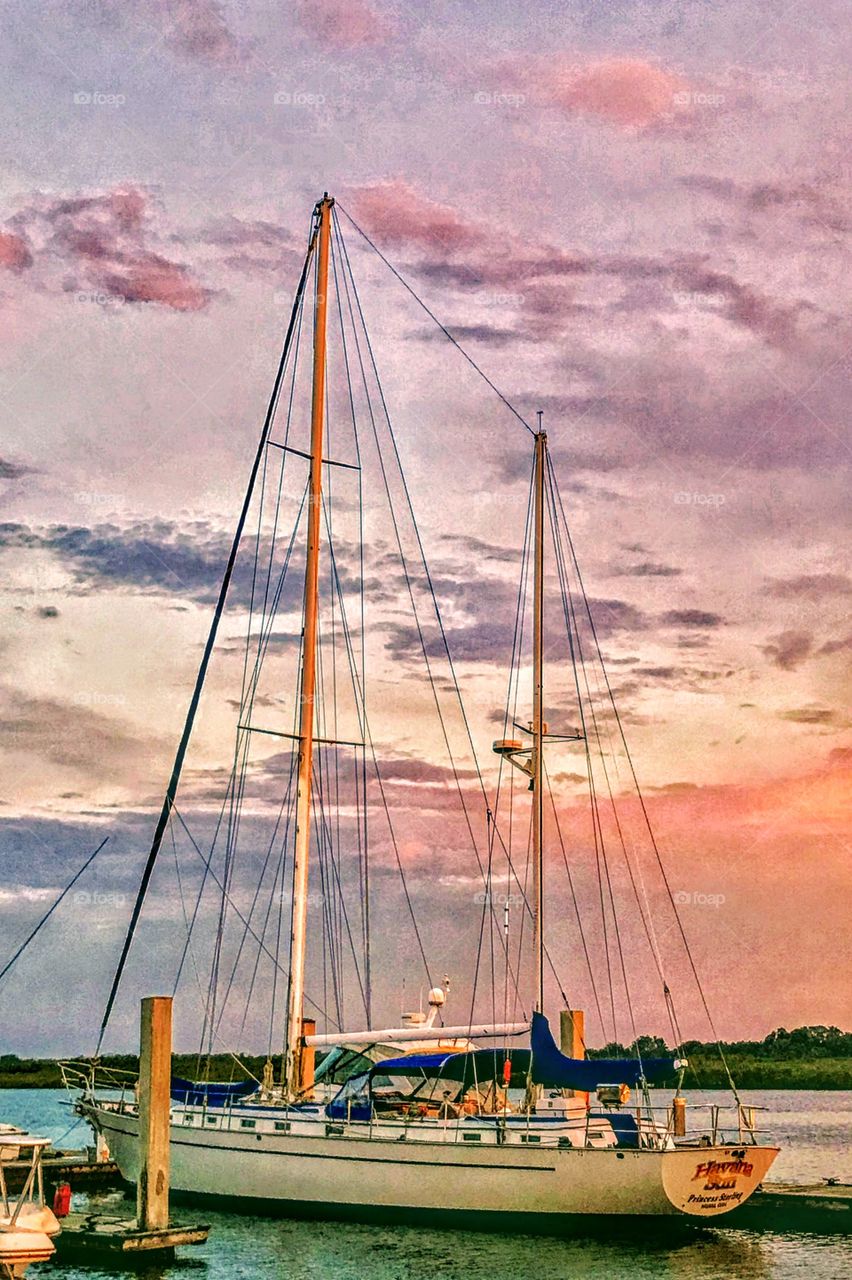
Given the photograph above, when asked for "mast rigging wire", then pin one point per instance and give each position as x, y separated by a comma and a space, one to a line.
642, 804
469, 358
43, 921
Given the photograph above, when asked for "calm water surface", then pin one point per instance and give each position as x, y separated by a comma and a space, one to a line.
814, 1128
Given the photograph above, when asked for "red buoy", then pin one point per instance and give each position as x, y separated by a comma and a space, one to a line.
62, 1200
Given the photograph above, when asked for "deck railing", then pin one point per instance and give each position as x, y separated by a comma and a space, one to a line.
707, 1124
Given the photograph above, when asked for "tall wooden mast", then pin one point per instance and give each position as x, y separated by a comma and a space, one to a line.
307, 691
538, 726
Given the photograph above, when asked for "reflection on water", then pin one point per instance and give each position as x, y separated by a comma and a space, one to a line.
815, 1127
281, 1250
718, 1253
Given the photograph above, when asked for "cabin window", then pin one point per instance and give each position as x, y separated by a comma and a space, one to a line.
530, 1137
247, 1124
187, 1119
472, 1137
282, 1126
211, 1119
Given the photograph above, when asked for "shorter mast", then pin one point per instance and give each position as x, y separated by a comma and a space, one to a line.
538, 726
307, 692
530, 760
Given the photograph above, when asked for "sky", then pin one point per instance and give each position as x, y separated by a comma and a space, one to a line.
632, 216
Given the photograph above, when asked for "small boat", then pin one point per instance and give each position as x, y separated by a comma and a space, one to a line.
485, 1119
26, 1223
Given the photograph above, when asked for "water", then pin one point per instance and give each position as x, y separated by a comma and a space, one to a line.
814, 1128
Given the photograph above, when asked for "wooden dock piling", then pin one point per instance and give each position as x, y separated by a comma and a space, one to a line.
155, 1067
572, 1032
572, 1038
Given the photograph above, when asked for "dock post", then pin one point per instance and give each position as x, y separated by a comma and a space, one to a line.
307, 1061
572, 1032
155, 1070
572, 1038
679, 1116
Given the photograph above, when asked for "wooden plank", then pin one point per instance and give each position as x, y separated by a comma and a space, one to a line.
170, 1239
86, 1233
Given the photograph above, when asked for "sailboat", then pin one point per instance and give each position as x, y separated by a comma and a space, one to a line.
438, 1118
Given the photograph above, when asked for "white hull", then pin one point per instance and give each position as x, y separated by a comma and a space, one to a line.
360, 1176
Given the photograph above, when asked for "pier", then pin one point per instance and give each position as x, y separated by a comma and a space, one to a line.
74, 1167
825, 1209
106, 1236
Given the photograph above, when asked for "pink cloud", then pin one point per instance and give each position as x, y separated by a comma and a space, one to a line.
14, 252
632, 93
343, 24
401, 215
154, 279
625, 91
102, 242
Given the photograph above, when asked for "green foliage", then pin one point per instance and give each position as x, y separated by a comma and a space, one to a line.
44, 1073
806, 1058
749, 1072
28, 1073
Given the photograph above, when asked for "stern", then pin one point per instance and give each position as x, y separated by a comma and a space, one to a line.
707, 1181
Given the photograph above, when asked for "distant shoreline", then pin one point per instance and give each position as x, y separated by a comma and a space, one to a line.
822, 1073
704, 1072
